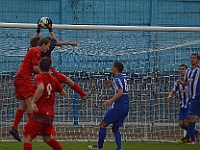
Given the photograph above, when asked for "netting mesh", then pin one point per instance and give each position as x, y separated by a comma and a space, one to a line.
151, 62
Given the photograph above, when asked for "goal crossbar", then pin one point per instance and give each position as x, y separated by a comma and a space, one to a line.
104, 27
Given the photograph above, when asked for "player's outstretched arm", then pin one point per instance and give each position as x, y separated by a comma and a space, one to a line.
114, 98
171, 94
60, 43
38, 29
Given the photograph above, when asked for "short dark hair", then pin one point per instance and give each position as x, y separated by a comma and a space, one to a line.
34, 40
45, 64
43, 41
48, 37
183, 65
119, 66
197, 55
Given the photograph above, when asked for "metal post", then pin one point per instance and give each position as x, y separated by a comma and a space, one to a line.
76, 105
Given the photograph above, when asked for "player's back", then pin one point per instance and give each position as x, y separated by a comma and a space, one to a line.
46, 102
31, 58
119, 82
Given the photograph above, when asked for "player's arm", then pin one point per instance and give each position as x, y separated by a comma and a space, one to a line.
59, 88
171, 94
60, 43
114, 98
38, 93
184, 83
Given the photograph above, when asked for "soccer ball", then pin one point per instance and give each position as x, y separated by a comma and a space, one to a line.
43, 22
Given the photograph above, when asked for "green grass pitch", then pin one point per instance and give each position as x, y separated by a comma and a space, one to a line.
108, 146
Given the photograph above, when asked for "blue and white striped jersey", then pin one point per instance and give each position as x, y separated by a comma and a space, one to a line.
119, 82
183, 94
193, 80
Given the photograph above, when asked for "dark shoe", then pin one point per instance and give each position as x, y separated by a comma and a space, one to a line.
15, 134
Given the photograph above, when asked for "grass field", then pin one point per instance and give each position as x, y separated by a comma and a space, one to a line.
108, 146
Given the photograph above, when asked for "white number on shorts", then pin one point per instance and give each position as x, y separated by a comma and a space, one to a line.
49, 88
126, 85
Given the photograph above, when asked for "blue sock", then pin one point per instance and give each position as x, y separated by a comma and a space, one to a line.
118, 140
102, 136
190, 130
196, 131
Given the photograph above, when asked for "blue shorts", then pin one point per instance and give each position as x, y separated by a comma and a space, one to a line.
115, 117
194, 107
183, 114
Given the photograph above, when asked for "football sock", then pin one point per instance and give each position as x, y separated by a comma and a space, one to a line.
29, 115
196, 131
102, 136
190, 130
78, 89
55, 144
27, 146
118, 139
18, 116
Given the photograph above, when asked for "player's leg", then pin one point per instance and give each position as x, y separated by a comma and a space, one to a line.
118, 137
63, 79
193, 111
46, 132
18, 116
31, 129
102, 136
52, 142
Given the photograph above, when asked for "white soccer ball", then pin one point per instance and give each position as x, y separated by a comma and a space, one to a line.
43, 22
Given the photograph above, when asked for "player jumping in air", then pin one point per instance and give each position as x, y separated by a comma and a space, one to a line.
43, 107
192, 79
24, 88
61, 77
119, 110
184, 100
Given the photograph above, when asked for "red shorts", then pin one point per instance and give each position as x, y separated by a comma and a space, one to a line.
32, 128
61, 77
24, 88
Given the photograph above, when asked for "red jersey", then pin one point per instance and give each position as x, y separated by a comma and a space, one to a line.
46, 102
31, 59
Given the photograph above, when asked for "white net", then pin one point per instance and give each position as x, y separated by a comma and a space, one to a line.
151, 61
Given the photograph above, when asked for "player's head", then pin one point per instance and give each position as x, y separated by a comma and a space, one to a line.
34, 40
182, 69
194, 59
43, 44
48, 37
45, 64
117, 68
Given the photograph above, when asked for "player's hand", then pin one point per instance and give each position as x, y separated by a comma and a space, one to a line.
178, 81
73, 43
106, 102
34, 107
169, 98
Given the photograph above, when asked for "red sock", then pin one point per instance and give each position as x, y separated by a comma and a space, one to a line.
55, 144
78, 89
29, 115
18, 117
27, 146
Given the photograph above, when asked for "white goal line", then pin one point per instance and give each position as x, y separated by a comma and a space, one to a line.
104, 27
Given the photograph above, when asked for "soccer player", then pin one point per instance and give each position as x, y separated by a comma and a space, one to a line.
61, 77
119, 109
43, 107
192, 79
24, 88
184, 100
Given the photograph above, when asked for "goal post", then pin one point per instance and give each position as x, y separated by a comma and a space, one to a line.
151, 56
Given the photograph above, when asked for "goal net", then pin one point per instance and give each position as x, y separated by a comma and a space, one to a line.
151, 60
